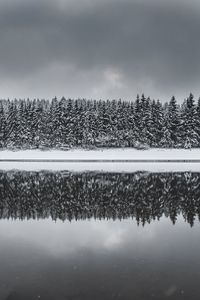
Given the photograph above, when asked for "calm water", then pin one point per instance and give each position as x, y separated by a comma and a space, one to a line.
99, 235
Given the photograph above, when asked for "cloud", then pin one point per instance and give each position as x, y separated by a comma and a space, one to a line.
111, 48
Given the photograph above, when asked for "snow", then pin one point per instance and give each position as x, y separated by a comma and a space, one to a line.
106, 160
117, 167
127, 154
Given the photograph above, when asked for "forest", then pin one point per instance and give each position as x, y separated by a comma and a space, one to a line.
73, 196
81, 123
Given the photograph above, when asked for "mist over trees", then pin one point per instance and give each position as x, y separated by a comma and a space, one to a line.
66, 123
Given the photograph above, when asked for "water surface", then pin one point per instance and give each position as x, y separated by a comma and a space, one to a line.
96, 235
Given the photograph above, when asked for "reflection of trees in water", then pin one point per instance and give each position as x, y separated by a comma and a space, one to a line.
65, 195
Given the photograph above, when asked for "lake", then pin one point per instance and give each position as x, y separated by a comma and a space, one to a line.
99, 235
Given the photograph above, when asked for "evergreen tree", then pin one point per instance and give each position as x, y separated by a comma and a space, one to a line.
67, 123
190, 136
198, 121
2, 126
173, 123
12, 125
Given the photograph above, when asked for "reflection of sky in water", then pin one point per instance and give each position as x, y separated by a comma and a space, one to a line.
99, 260
62, 238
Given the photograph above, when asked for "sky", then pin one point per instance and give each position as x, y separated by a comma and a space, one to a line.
102, 49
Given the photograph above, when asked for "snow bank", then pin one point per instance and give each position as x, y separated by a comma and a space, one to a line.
101, 166
106, 160
127, 154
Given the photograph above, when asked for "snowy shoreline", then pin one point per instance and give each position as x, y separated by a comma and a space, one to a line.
100, 167
118, 154
104, 160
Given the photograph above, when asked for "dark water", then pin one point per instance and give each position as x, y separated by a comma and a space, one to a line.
99, 235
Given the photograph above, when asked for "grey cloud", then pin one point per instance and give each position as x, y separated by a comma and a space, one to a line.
149, 46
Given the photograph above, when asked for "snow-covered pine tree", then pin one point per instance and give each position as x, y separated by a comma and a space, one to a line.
147, 121
166, 138
12, 125
198, 121
84, 123
189, 131
79, 123
157, 120
172, 123
104, 124
21, 124
55, 123
137, 117
2, 126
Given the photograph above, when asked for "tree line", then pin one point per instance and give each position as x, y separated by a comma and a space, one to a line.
66, 123
74, 196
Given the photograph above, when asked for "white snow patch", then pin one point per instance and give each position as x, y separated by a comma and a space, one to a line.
106, 160
101, 167
103, 154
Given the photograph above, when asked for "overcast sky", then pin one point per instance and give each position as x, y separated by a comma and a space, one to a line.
99, 48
